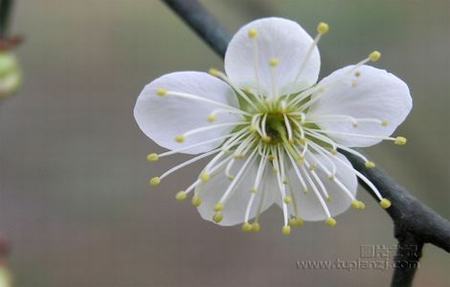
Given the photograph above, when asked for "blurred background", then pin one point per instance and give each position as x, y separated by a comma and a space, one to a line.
74, 198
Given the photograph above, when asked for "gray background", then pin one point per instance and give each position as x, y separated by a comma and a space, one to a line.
74, 198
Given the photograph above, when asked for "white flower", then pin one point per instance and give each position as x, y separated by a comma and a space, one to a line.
274, 132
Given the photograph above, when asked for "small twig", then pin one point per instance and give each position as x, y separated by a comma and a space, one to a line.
414, 223
5, 12
7, 42
201, 21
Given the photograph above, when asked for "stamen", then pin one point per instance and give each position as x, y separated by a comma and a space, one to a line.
288, 128
152, 157
273, 64
212, 117
188, 162
322, 29
333, 166
397, 140
228, 169
400, 140
344, 118
206, 100
297, 172
224, 77
318, 180
358, 174
299, 127
316, 192
181, 195
236, 179
211, 127
252, 34
373, 57
155, 157
320, 137
368, 163
282, 190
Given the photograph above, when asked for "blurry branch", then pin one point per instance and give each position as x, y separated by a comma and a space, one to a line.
5, 13
254, 8
7, 42
414, 223
203, 23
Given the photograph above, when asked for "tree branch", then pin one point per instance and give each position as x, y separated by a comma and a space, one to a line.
202, 22
5, 12
414, 222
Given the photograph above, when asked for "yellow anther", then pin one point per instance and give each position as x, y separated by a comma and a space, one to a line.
204, 176
301, 141
154, 181
253, 190
334, 152
374, 56
357, 204
212, 118
331, 176
400, 140
218, 207
180, 139
161, 92
218, 217
362, 205
322, 28
247, 90
357, 74
196, 201
300, 160
385, 203
256, 227
312, 167
286, 230
296, 222
266, 139
273, 62
252, 33
252, 128
152, 157
385, 123
214, 72
230, 177
329, 198
287, 199
181, 195
369, 164
246, 227
331, 221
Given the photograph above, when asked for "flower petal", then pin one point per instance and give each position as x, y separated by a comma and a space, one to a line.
236, 204
247, 60
367, 92
308, 204
162, 118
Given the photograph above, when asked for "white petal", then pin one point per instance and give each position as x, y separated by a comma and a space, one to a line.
374, 94
162, 118
236, 204
276, 38
308, 204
